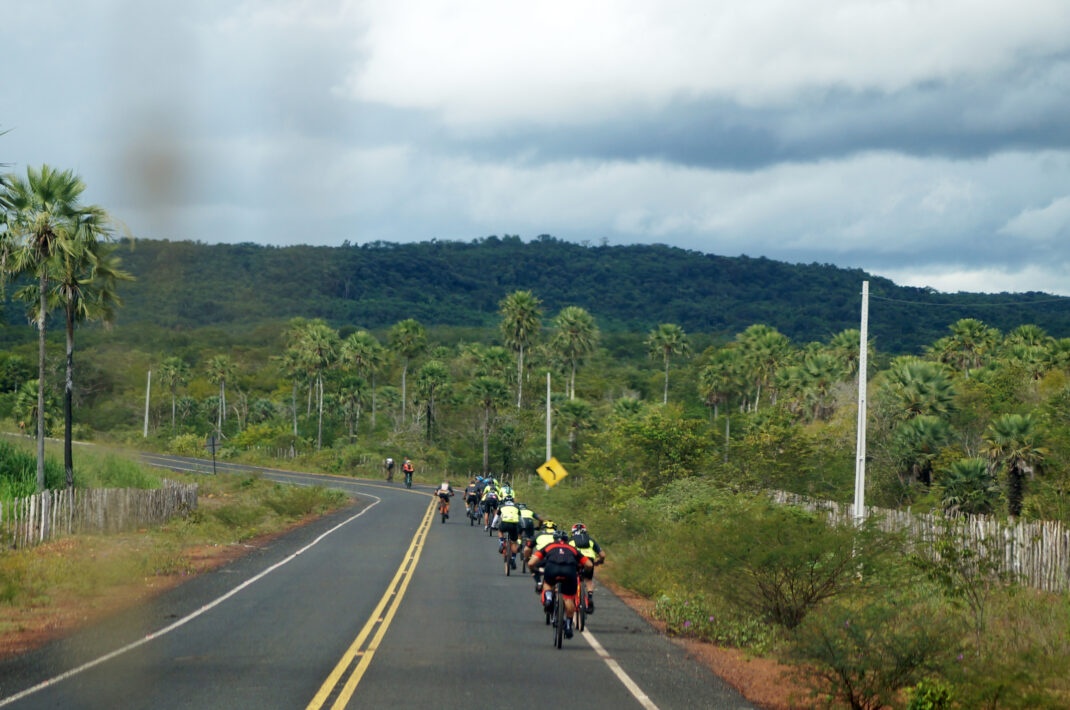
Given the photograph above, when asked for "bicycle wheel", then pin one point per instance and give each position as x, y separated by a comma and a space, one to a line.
581, 606
506, 550
559, 616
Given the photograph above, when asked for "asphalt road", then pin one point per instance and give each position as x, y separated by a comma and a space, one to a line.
378, 605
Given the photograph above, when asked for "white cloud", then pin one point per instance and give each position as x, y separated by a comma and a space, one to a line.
559, 61
1045, 224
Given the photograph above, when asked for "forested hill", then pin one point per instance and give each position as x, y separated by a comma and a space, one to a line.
187, 285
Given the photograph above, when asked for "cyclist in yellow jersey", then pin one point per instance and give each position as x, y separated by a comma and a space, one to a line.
590, 549
509, 527
543, 538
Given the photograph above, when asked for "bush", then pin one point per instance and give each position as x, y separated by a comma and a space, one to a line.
868, 651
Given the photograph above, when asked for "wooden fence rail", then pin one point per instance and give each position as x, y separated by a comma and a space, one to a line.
1035, 554
29, 521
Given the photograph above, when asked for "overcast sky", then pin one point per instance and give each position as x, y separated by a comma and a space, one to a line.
927, 141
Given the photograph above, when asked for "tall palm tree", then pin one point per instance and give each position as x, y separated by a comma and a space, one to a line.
1014, 440
489, 393
521, 312
430, 380
43, 214
85, 278
968, 347
665, 341
220, 369
318, 347
362, 353
408, 339
765, 350
920, 387
918, 442
576, 337
175, 373
721, 379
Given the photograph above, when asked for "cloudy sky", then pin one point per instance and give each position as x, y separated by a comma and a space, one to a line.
927, 141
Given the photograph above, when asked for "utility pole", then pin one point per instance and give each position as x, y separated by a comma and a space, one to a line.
860, 445
148, 391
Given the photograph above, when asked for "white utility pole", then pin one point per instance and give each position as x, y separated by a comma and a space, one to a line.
148, 390
860, 445
549, 452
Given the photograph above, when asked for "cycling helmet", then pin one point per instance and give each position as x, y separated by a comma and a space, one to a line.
549, 525
560, 536
577, 527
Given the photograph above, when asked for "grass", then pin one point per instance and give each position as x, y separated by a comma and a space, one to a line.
85, 568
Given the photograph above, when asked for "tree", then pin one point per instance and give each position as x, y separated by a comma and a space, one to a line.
665, 341
220, 369
918, 442
43, 215
520, 326
362, 353
967, 486
576, 337
408, 339
920, 387
175, 373
576, 415
764, 350
1014, 441
968, 346
489, 393
431, 378
317, 345
85, 276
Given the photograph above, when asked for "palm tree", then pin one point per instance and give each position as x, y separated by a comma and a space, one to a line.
317, 344
576, 415
520, 325
85, 277
408, 339
1013, 440
362, 353
175, 373
431, 378
43, 216
351, 393
576, 337
665, 341
489, 393
918, 442
968, 346
720, 380
764, 350
920, 387
220, 369
967, 486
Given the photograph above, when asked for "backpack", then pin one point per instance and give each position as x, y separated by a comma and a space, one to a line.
582, 540
559, 555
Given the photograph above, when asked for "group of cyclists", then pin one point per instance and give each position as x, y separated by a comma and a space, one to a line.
553, 555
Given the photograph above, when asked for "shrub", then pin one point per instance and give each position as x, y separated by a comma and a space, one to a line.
868, 651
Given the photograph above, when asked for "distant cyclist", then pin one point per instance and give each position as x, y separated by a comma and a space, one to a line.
471, 494
444, 492
389, 466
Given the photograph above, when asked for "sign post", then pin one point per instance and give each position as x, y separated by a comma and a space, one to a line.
551, 472
212, 444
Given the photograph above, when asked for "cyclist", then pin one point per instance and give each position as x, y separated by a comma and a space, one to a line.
560, 563
471, 494
590, 549
529, 521
444, 492
509, 528
490, 505
408, 469
539, 542
389, 466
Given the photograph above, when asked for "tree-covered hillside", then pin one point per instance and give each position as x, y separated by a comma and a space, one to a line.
186, 285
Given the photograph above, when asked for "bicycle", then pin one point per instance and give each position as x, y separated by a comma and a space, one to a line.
581, 604
475, 513
443, 507
408, 479
559, 616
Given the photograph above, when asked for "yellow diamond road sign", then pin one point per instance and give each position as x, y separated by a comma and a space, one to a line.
551, 472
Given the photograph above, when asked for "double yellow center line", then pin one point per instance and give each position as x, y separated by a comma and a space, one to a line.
358, 656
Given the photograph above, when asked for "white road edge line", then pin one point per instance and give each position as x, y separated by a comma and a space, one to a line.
623, 677
185, 620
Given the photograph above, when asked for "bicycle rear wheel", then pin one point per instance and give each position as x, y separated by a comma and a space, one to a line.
581, 606
506, 550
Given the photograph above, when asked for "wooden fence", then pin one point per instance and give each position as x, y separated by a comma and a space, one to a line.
1035, 554
29, 521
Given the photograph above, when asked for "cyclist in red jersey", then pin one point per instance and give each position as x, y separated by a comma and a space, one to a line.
560, 562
